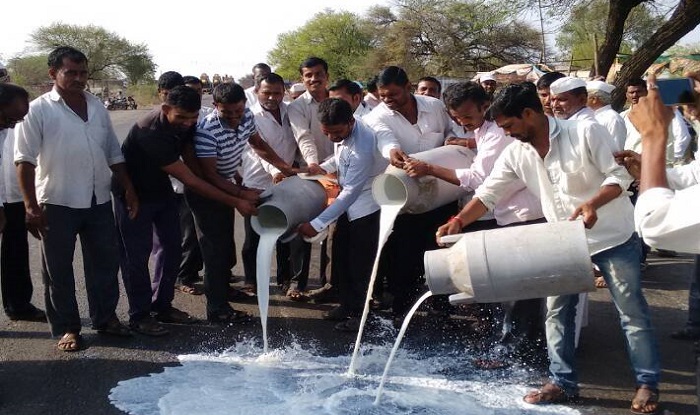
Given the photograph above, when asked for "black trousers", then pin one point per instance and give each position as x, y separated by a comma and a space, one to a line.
214, 222
191, 253
15, 278
354, 249
293, 259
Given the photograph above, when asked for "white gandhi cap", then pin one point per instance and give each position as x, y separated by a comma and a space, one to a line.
599, 86
297, 88
565, 84
486, 77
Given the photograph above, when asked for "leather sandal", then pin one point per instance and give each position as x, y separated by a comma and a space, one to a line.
549, 394
645, 401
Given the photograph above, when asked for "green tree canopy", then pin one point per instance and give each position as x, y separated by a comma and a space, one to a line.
109, 55
452, 37
29, 70
339, 38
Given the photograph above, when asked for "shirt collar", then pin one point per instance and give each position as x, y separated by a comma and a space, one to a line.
257, 109
603, 109
55, 96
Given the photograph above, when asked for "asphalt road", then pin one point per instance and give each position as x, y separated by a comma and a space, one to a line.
35, 378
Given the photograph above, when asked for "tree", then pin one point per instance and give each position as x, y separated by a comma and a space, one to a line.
29, 70
338, 37
685, 17
109, 55
453, 37
590, 19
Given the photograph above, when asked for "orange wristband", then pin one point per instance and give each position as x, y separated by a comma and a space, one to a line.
458, 220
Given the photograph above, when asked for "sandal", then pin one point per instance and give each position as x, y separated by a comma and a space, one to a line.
549, 394
229, 316
70, 342
149, 327
188, 289
645, 401
114, 328
296, 295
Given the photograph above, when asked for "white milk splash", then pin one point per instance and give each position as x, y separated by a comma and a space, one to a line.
296, 381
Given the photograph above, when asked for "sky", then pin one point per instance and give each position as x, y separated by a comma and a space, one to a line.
225, 37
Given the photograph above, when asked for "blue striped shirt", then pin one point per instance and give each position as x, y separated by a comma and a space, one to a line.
214, 138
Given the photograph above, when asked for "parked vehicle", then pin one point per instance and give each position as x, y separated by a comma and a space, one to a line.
124, 103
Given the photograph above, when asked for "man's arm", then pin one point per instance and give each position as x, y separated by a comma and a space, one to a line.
132, 201
589, 208
34, 216
301, 126
180, 171
418, 168
211, 175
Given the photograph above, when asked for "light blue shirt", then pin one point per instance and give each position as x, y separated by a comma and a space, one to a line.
357, 161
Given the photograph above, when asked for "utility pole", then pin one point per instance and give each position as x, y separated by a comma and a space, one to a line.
543, 57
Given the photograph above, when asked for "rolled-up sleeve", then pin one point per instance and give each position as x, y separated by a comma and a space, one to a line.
490, 147
114, 151
29, 136
670, 220
499, 183
386, 140
301, 126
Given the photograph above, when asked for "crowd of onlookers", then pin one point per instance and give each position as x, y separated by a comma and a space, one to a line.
551, 151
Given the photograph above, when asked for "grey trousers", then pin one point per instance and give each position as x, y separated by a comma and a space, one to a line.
98, 240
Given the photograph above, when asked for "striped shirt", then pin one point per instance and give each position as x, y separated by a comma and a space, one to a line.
214, 138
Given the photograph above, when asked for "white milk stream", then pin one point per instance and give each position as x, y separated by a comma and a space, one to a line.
266, 246
387, 216
404, 326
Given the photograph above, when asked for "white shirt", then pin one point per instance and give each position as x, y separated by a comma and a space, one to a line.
251, 97
12, 193
257, 173
577, 165
584, 114
357, 162
72, 156
613, 122
521, 205
371, 100
395, 131
460, 131
362, 110
315, 147
668, 219
678, 137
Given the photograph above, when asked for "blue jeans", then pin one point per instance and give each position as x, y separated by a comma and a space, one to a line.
621, 270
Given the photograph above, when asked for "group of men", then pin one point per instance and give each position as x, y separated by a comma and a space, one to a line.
546, 152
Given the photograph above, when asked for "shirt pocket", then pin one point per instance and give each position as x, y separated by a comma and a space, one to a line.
575, 183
